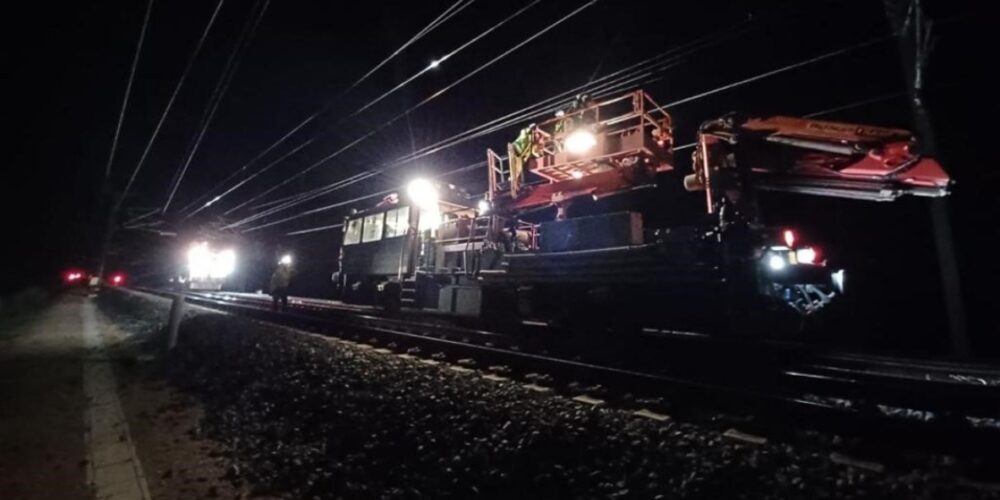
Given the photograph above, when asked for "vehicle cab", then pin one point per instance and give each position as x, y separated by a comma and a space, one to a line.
422, 236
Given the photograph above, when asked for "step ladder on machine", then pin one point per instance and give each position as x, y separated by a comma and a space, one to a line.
408, 292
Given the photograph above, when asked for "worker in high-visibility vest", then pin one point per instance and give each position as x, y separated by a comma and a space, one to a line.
571, 118
525, 146
280, 280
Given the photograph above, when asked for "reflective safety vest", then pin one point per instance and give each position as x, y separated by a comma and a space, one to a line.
523, 143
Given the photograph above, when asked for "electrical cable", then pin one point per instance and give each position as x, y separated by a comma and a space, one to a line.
128, 90
443, 17
221, 87
430, 98
738, 83
170, 102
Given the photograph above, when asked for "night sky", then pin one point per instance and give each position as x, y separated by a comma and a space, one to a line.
66, 66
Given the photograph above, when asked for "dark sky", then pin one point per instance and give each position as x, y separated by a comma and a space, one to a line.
65, 70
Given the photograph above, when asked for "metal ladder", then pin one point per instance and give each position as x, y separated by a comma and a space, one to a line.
408, 291
499, 173
479, 231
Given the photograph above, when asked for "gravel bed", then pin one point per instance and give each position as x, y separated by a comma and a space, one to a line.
307, 417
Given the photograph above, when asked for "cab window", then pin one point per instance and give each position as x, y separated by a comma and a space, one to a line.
373, 228
397, 222
353, 233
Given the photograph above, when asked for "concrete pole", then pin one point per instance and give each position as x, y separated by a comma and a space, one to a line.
176, 314
913, 31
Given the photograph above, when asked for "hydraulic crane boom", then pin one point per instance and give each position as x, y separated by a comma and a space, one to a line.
817, 157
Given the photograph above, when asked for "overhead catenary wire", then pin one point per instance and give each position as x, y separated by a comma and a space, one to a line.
619, 79
128, 90
652, 64
738, 83
438, 21
622, 82
394, 89
219, 92
359, 198
856, 104
170, 102
371, 103
312, 194
379, 193
422, 103
494, 126
437, 62
450, 12
783, 69
843, 107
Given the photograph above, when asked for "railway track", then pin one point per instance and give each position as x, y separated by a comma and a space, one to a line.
777, 389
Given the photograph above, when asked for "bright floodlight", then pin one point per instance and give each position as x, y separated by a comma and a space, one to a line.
224, 264
204, 263
199, 260
776, 262
423, 194
286, 259
580, 142
483, 207
806, 255
576, 174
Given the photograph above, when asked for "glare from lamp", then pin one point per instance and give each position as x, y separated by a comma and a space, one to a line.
580, 142
423, 194
224, 264
576, 174
806, 255
776, 262
286, 260
483, 207
199, 260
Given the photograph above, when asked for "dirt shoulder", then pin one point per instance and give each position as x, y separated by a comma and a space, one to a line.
180, 462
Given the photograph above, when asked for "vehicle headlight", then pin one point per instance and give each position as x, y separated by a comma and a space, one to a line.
776, 262
199, 260
224, 264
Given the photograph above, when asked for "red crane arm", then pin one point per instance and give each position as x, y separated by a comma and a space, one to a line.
814, 157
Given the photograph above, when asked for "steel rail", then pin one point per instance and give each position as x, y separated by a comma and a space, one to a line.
870, 408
